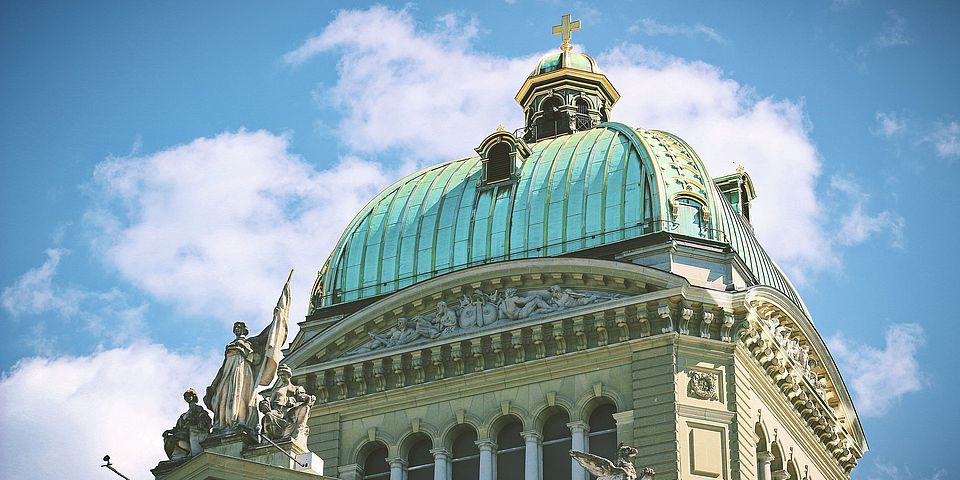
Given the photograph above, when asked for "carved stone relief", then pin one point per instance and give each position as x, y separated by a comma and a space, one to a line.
479, 310
703, 385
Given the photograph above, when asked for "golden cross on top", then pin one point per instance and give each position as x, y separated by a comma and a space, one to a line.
564, 29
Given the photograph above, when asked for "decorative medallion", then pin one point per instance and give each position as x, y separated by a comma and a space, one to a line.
704, 385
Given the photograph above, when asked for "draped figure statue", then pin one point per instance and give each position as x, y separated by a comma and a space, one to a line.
247, 363
286, 409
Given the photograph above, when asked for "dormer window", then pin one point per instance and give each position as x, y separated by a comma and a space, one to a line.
501, 154
584, 122
499, 163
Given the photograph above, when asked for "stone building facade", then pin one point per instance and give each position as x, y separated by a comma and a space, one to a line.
576, 284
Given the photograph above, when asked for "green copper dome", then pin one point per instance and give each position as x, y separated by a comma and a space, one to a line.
555, 61
573, 192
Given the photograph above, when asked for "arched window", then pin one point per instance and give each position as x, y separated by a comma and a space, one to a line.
690, 216
792, 471
375, 465
465, 461
776, 465
499, 163
552, 121
420, 460
510, 451
761, 452
602, 439
583, 115
556, 446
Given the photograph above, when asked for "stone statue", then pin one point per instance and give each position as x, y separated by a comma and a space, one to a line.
446, 319
286, 409
604, 469
516, 307
566, 298
183, 440
247, 363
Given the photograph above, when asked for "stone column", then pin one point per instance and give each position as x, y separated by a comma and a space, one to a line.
763, 465
441, 461
531, 464
397, 468
486, 459
578, 437
780, 475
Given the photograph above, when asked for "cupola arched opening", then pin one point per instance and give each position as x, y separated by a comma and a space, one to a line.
552, 120
584, 122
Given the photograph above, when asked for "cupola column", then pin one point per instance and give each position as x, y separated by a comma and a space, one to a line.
578, 442
531, 458
486, 459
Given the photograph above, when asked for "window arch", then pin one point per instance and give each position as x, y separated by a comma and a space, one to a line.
420, 460
792, 471
690, 216
552, 120
375, 465
499, 163
776, 465
602, 439
557, 443
465, 456
510, 450
583, 114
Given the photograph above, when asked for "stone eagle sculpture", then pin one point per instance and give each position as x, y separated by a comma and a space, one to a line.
604, 469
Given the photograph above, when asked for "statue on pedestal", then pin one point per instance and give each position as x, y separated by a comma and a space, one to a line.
604, 469
183, 440
247, 363
286, 409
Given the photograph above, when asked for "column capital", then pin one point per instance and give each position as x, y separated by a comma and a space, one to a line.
623, 418
780, 475
397, 461
578, 425
765, 457
531, 435
440, 453
486, 445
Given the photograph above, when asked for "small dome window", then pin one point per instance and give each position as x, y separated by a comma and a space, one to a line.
584, 122
499, 163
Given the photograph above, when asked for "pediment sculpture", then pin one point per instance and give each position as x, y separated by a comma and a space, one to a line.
621, 469
477, 311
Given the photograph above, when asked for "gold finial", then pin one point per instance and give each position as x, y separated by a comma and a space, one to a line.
564, 29
500, 127
739, 168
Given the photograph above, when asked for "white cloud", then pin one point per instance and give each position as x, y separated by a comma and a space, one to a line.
857, 224
651, 27
434, 97
893, 34
213, 227
34, 292
889, 124
728, 124
61, 415
946, 140
889, 471
106, 315
880, 377
427, 93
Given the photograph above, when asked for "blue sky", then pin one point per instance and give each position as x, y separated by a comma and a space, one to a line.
163, 165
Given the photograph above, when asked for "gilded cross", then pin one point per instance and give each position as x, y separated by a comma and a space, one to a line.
564, 29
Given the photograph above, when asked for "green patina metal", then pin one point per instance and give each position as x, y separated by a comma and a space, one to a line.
574, 192
556, 61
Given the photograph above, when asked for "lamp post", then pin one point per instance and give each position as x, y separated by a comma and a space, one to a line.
106, 458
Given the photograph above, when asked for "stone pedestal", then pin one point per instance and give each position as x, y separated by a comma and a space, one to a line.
231, 444
290, 455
